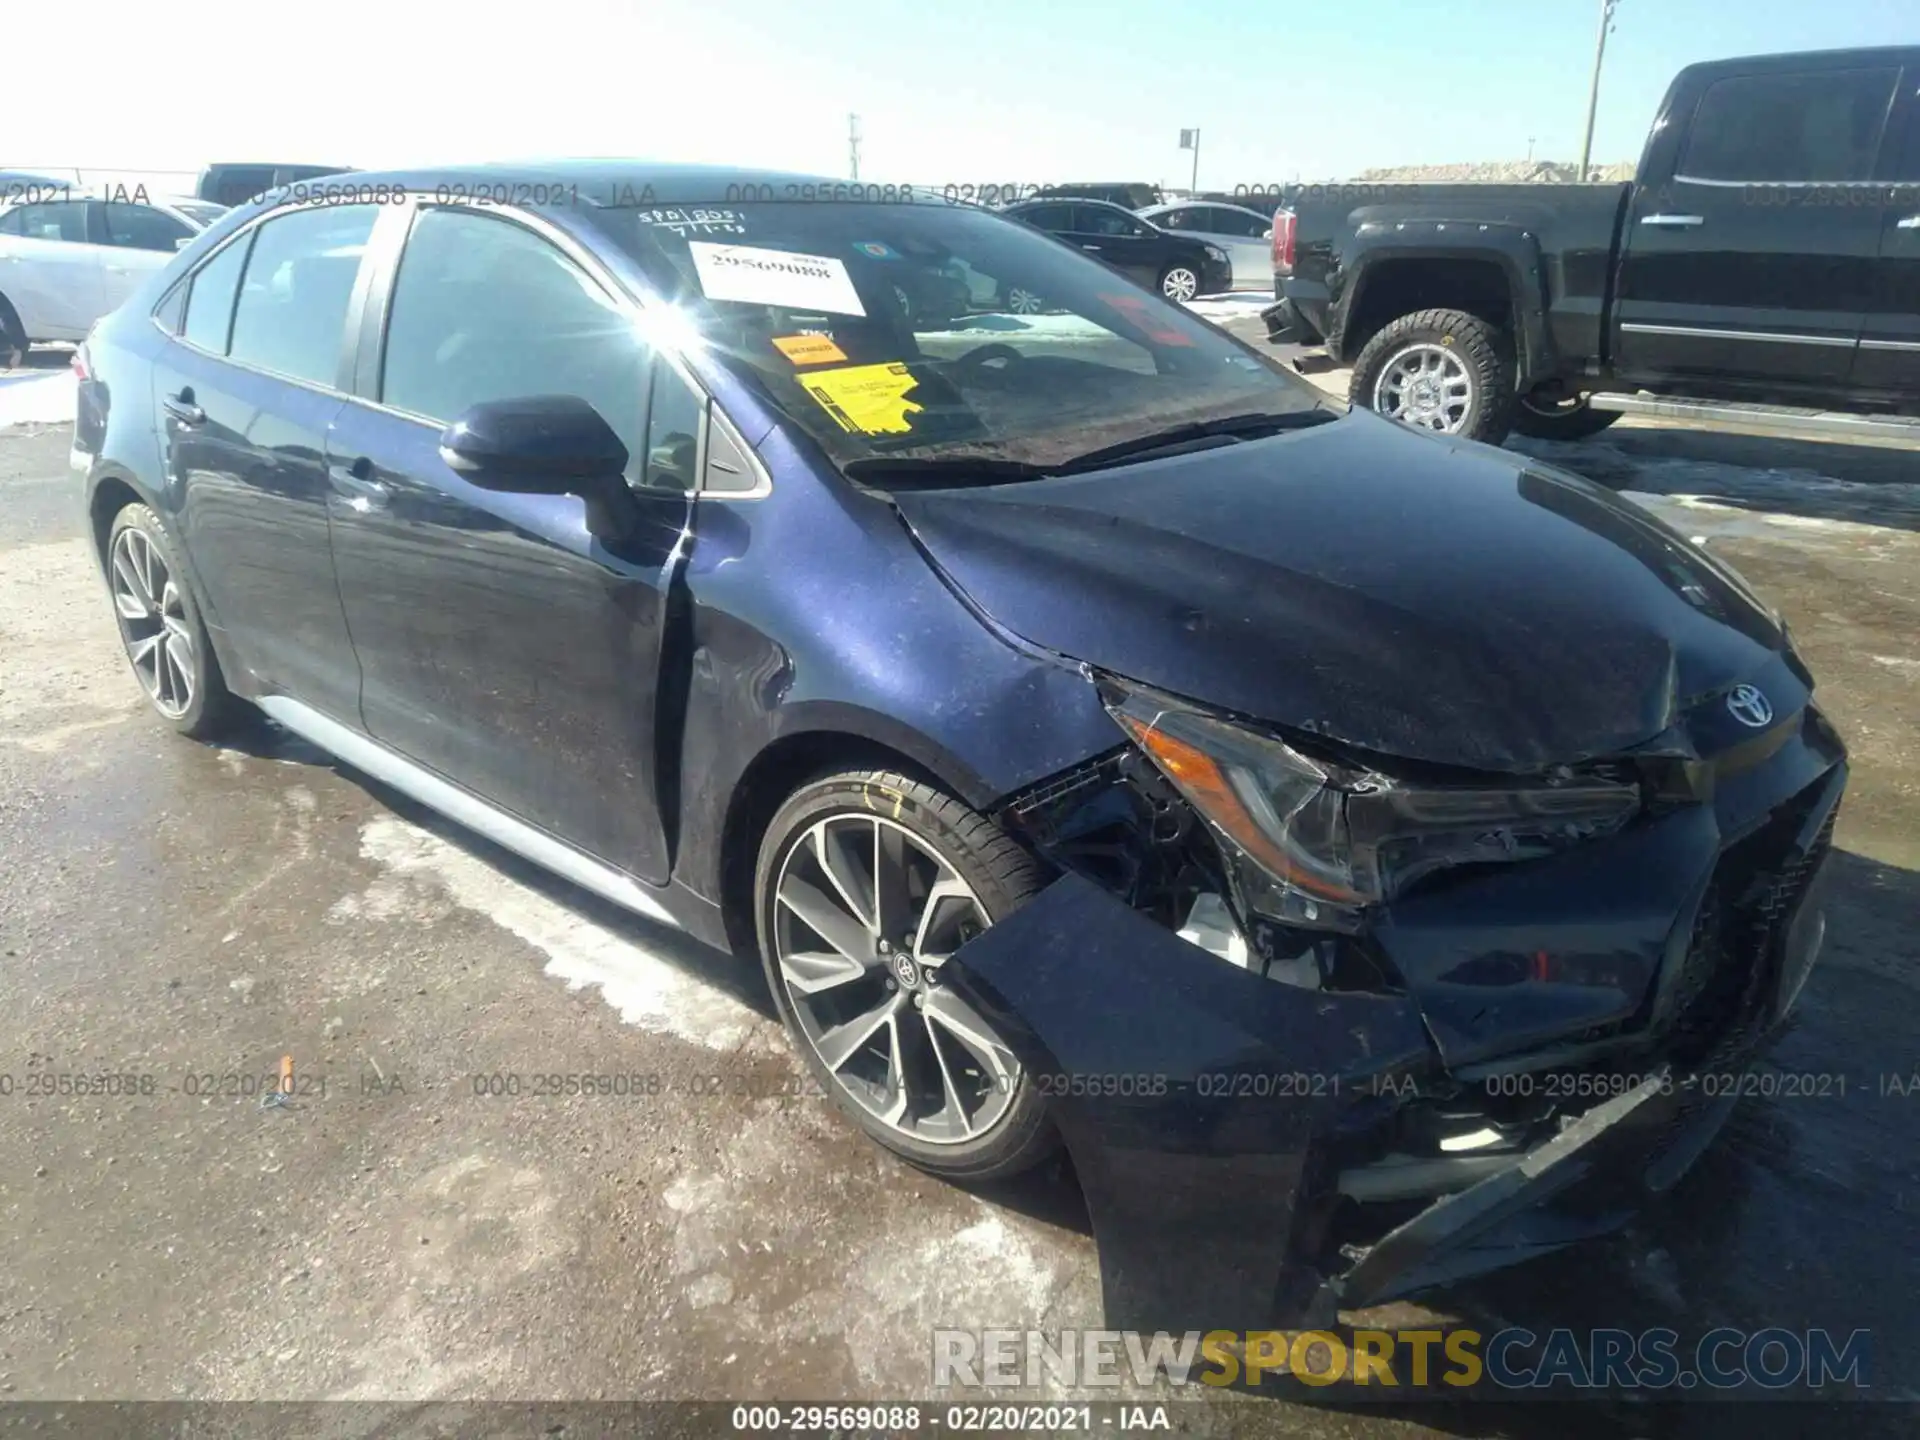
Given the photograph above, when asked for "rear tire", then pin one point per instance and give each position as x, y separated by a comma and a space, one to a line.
905, 858
1443, 371
1570, 418
160, 628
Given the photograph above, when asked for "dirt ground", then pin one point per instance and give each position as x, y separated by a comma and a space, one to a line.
182, 914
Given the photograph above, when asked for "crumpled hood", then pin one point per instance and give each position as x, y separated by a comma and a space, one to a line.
1440, 601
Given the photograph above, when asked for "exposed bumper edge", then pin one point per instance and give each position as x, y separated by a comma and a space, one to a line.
1195, 1185
1285, 326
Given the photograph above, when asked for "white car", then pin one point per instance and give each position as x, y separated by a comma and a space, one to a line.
65, 262
1246, 235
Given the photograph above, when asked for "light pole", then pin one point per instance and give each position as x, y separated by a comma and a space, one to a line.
1593, 95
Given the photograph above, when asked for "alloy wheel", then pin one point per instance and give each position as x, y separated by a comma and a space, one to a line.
1180, 284
152, 613
1426, 386
1023, 302
865, 915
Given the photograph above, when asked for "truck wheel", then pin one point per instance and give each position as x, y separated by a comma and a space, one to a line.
1560, 417
867, 882
1439, 370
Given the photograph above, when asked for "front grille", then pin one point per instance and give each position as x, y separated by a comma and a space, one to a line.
1728, 970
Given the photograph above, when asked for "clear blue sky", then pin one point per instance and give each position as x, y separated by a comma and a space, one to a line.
960, 90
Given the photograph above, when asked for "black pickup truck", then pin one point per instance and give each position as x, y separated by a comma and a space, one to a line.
1767, 253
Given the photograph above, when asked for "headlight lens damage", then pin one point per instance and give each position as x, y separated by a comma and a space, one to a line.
1315, 843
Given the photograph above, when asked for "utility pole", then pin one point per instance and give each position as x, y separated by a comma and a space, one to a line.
1593, 94
853, 146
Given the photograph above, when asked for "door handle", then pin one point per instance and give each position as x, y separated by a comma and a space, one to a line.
1094, 248
1677, 222
117, 270
181, 407
355, 481
1912, 222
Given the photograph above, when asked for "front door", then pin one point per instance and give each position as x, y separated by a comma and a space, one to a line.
1752, 265
500, 644
137, 240
1108, 233
246, 393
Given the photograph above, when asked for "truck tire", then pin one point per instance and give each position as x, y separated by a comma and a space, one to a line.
1561, 418
1444, 371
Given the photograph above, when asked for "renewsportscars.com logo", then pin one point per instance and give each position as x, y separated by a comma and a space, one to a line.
1458, 1358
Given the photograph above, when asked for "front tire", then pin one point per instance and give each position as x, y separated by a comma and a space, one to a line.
1570, 417
13, 338
160, 627
1439, 370
1179, 283
867, 881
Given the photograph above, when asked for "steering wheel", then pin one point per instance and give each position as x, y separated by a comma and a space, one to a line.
985, 354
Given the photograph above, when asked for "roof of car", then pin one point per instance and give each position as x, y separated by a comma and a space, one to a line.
613, 182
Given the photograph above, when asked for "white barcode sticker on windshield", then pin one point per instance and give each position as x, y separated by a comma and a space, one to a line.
774, 277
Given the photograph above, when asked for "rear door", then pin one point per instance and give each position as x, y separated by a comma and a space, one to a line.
139, 239
500, 644
1752, 264
246, 392
1889, 360
49, 272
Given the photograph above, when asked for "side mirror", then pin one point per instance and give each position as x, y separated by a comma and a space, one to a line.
183, 242
1267, 234
545, 445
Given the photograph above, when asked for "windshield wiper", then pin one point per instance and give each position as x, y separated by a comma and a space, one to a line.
941, 470
1225, 427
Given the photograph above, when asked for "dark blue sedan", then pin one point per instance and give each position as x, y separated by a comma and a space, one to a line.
1103, 739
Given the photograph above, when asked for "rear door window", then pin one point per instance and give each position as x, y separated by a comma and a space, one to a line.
292, 309
210, 298
484, 309
58, 220
141, 227
1813, 126
1049, 217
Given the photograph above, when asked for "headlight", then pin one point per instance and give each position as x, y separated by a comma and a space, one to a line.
1316, 843
1216, 254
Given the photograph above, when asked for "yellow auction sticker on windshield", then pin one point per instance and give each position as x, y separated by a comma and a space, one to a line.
808, 349
865, 399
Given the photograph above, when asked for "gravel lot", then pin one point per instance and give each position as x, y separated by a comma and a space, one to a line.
189, 913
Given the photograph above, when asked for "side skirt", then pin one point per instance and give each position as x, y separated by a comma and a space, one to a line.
462, 806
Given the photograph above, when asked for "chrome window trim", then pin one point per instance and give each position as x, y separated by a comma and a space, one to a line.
1890, 344
1634, 327
179, 337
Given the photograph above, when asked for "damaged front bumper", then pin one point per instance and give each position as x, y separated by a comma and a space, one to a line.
1238, 1139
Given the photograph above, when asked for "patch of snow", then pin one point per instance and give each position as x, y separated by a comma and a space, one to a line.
647, 989
40, 397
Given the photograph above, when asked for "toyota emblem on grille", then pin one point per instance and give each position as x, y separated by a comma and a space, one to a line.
1749, 706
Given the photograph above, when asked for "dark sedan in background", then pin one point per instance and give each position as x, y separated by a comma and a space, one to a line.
1101, 741
1179, 267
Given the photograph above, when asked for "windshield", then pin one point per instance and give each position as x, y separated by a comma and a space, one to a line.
942, 332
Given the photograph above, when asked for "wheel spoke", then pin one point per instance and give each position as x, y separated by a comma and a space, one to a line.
179, 661
964, 1024
896, 1111
135, 585
142, 651
948, 902
813, 972
947, 1085
836, 851
840, 1044
823, 914
892, 875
